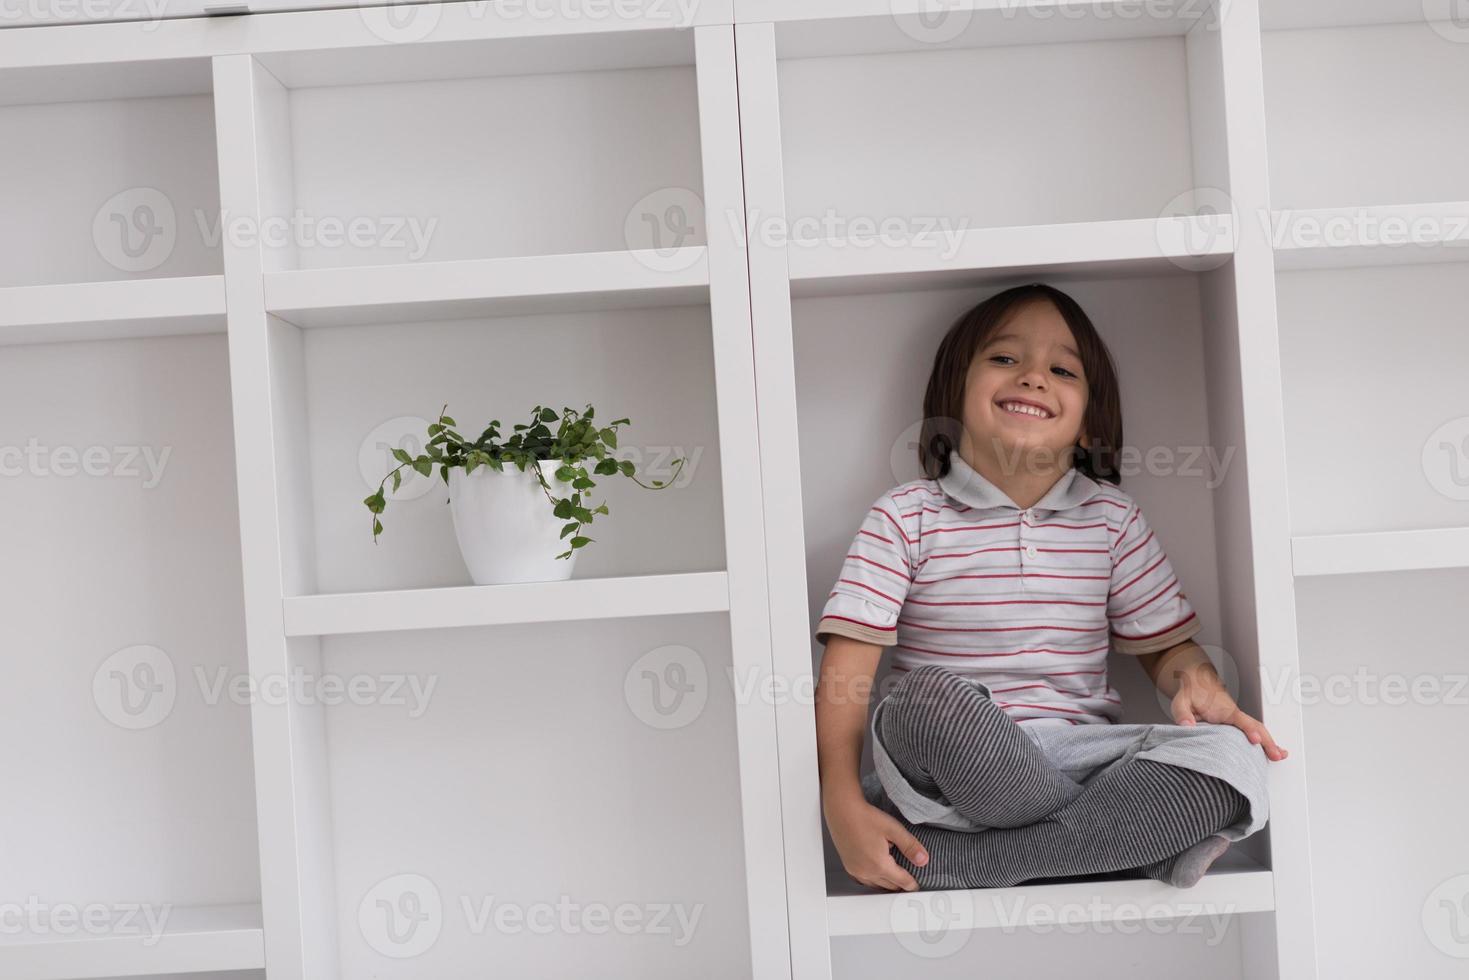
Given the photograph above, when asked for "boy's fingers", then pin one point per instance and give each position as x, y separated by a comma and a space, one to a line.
1259, 734
896, 878
1183, 708
908, 844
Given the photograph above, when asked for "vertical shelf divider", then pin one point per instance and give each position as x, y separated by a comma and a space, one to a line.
1269, 510
292, 800
745, 550
775, 368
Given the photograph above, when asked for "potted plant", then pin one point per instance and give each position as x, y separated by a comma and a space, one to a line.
509, 519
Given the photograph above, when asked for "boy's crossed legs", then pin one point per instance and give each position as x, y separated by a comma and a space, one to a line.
944, 733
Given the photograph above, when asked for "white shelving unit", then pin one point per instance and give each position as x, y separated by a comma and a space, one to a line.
129, 844
1156, 236
743, 224
1370, 277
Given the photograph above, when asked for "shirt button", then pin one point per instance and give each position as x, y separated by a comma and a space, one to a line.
1030, 551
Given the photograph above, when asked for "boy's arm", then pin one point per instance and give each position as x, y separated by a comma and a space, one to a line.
1186, 664
1166, 668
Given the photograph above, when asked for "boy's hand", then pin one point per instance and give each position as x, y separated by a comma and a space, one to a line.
1202, 697
862, 834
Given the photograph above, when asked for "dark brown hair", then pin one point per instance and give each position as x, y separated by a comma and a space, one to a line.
943, 403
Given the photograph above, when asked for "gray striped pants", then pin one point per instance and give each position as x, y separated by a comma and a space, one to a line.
1057, 800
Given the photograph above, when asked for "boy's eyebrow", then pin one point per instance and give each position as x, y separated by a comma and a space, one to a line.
1010, 336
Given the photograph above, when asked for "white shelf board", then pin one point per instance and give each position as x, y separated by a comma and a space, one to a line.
468, 288
109, 81
1281, 15
483, 58
1396, 234
1142, 246
110, 310
498, 605
386, 42
1233, 886
821, 28
195, 939
1380, 551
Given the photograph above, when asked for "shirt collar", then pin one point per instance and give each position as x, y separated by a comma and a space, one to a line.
965, 484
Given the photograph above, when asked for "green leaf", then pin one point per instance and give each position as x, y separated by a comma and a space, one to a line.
402, 456
446, 420
435, 429
444, 472
424, 466
397, 480
580, 542
377, 527
606, 467
626, 467
610, 438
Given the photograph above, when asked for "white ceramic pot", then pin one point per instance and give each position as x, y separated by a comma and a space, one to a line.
505, 526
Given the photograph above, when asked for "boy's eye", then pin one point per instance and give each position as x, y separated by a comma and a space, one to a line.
1007, 357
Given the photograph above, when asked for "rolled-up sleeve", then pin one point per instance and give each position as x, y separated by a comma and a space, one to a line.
1146, 607
874, 579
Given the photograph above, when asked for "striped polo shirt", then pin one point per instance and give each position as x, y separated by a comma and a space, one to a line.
1028, 601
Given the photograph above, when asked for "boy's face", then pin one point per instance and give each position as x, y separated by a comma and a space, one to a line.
1030, 358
